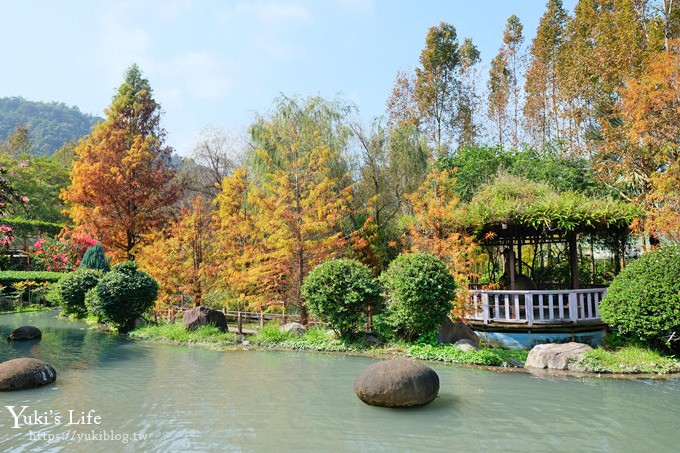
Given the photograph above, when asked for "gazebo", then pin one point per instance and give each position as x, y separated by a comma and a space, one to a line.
513, 214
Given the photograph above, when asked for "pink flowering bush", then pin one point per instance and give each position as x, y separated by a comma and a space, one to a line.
60, 255
6, 236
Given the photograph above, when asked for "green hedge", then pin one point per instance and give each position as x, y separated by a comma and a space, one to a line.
340, 292
643, 301
23, 227
419, 290
9, 278
122, 295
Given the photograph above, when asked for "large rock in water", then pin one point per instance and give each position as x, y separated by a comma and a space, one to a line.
397, 383
204, 316
24, 333
25, 373
555, 356
451, 332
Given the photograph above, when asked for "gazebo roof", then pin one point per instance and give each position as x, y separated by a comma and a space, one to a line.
513, 207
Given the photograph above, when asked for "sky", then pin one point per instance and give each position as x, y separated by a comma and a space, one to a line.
223, 63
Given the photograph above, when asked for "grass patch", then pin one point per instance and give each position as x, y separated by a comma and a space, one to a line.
25, 308
319, 339
176, 333
629, 359
315, 339
452, 354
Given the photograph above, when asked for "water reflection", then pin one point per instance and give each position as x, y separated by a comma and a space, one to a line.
201, 400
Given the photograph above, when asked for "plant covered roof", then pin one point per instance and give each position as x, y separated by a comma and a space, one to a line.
511, 206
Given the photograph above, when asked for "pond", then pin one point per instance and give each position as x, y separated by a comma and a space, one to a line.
116, 394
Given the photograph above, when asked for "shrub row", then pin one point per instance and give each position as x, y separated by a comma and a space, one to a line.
9, 278
417, 290
117, 297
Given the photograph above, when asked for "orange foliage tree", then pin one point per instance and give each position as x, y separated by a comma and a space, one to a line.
640, 152
122, 184
246, 267
178, 257
433, 229
301, 191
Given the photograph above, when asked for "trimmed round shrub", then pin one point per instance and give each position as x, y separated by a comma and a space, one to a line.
419, 294
340, 293
72, 290
95, 258
123, 295
92, 303
643, 301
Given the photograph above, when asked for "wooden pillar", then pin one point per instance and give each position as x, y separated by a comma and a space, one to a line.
519, 256
511, 265
573, 258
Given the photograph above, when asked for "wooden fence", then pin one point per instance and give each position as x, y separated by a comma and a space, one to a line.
547, 306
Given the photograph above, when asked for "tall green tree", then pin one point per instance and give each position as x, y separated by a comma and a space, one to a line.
439, 96
499, 94
40, 180
467, 126
302, 186
507, 68
543, 108
393, 162
122, 183
596, 62
18, 142
437, 85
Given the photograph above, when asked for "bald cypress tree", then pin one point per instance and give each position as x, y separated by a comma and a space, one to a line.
122, 183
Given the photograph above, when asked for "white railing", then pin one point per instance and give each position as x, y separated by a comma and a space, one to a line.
570, 305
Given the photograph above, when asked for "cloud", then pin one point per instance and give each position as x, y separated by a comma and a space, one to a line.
202, 73
269, 27
173, 9
118, 44
273, 14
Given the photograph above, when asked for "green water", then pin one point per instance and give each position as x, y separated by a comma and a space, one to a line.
168, 398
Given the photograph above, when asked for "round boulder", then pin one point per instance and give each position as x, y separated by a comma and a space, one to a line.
204, 316
25, 373
293, 327
556, 356
24, 333
466, 345
397, 383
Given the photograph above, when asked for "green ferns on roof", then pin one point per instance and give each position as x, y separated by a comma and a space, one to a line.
514, 200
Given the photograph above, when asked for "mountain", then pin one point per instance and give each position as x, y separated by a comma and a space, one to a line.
50, 124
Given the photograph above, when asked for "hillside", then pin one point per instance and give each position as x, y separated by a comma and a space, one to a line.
50, 125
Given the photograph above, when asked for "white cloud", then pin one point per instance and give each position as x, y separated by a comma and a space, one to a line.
202, 73
278, 13
118, 45
269, 26
173, 9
